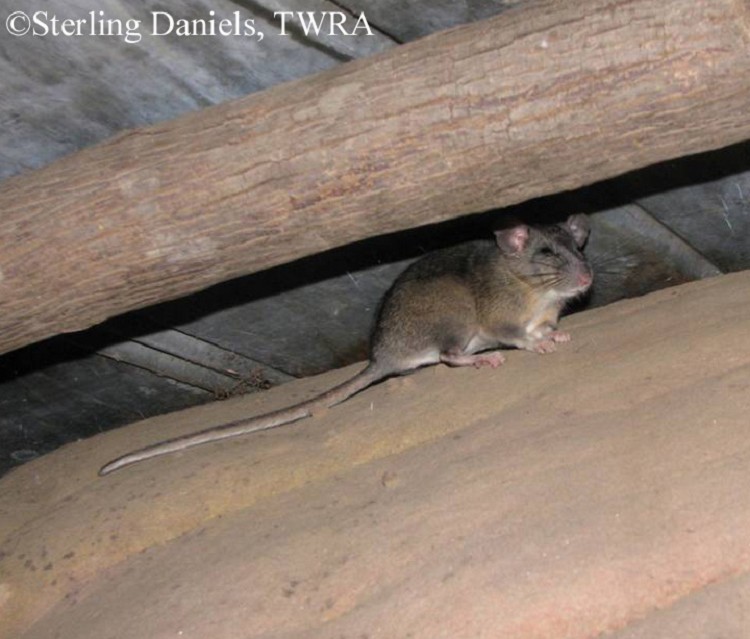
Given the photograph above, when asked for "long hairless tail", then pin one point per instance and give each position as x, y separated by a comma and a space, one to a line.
369, 375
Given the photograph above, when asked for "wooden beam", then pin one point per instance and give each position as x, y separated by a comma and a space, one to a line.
540, 99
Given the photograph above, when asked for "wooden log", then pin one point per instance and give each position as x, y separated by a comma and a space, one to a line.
540, 99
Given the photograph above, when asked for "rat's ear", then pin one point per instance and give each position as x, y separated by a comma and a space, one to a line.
513, 239
579, 227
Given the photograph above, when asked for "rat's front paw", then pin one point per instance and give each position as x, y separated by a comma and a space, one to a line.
546, 345
559, 336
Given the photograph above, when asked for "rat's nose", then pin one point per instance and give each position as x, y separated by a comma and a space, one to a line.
584, 279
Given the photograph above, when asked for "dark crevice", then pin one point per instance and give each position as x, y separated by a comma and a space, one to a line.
379, 29
295, 31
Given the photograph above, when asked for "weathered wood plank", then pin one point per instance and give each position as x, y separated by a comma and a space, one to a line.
195, 362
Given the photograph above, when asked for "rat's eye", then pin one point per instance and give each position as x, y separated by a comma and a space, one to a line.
546, 251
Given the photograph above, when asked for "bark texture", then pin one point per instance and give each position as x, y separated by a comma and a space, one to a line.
540, 99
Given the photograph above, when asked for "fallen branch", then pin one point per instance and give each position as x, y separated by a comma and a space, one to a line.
540, 99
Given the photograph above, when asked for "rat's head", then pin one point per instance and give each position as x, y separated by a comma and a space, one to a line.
549, 257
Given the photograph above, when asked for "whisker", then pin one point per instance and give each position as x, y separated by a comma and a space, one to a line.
609, 271
552, 283
598, 260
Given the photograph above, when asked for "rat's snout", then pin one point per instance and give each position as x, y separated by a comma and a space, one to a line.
585, 278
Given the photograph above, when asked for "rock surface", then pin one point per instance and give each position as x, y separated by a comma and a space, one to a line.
601, 489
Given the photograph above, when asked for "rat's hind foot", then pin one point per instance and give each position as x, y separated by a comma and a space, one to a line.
493, 359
